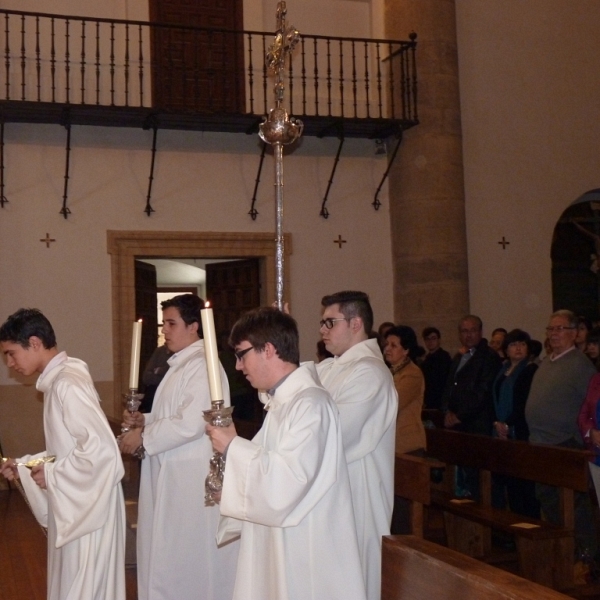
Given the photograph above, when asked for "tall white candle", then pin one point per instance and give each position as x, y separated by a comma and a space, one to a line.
212, 353
136, 346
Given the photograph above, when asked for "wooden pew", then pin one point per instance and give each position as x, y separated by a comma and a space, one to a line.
545, 551
415, 569
412, 480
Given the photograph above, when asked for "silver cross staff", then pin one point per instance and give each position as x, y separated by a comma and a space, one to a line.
278, 129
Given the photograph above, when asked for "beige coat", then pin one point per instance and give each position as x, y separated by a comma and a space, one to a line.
410, 385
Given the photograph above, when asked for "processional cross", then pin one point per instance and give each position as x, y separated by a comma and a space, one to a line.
278, 129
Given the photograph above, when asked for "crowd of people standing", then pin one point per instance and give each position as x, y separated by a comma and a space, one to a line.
502, 388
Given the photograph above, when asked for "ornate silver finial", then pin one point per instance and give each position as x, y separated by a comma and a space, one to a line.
285, 40
278, 129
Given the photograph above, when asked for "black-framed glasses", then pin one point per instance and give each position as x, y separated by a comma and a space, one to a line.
329, 323
241, 353
558, 329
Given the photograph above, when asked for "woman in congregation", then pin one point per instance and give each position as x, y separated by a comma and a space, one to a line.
400, 351
592, 348
589, 426
510, 392
584, 326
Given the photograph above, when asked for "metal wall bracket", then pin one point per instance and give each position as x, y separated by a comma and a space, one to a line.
149, 210
376, 203
253, 212
65, 211
3, 198
324, 212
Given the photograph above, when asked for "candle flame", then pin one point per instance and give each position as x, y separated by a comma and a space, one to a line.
207, 304
139, 320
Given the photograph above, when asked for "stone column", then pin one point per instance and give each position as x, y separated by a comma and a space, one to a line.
426, 187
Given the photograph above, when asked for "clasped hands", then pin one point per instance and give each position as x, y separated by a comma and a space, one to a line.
131, 440
221, 436
9, 470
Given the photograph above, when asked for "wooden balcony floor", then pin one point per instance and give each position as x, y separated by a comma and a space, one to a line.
16, 111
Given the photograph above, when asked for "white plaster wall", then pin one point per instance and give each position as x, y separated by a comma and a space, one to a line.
530, 98
347, 18
203, 182
107, 9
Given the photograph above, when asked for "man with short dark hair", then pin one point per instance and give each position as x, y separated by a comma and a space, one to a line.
468, 393
363, 389
287, 491
557, 392
435, 367
177, 553
78, 497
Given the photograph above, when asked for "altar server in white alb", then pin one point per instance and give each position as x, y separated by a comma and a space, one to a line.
78, 496
287, 491
177, 554
363, 389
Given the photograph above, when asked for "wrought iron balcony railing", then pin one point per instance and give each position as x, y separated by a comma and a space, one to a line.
116, 71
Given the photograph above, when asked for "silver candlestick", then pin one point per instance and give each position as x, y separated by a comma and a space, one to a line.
278, 129
219, 416
132, 404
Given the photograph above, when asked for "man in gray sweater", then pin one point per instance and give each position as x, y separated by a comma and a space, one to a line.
557, 392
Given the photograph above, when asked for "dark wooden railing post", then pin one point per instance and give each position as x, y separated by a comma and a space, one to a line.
38, 62
23, 61
126, 65
141, 64
67, 64
82, 62
7, 54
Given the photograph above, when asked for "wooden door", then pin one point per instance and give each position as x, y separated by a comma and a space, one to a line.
145, 309
198, 70
232, 288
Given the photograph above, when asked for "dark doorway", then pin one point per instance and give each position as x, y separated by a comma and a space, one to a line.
145, 309
198, 70
233, 288
576, 259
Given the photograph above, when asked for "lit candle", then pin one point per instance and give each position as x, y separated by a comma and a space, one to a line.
136, 345
212, 354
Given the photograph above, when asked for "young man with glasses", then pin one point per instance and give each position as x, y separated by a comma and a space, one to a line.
557, 392
287, 491
363, 389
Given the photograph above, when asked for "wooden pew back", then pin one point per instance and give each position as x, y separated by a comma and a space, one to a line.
415, 569
551, 465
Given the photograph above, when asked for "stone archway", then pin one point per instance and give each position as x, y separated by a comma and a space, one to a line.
125, 246
576, 257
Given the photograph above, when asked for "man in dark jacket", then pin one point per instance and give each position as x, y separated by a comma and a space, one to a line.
435, 367
468, 394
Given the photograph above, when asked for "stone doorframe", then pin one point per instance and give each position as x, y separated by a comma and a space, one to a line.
125, 246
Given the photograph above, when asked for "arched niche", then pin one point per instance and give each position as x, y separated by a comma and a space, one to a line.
575, 257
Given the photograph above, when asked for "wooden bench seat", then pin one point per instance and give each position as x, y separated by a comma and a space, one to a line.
415, 569
545, 551
412, 481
